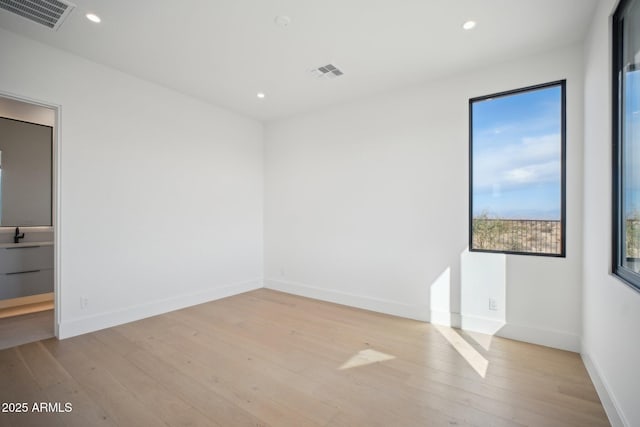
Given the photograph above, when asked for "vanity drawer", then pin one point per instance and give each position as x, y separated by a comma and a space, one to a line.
26, 283
25, 258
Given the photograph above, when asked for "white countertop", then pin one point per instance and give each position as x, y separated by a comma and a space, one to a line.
24, 244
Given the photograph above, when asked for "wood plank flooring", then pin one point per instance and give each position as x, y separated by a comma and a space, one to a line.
266, 358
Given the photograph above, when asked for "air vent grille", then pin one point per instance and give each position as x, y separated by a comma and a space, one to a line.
50, 13
328, 71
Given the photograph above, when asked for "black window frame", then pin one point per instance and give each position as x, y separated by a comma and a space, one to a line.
563, 166
628, 276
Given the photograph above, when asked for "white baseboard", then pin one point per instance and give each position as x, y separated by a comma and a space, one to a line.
544, 337
445, 318
609, 402
549, 338
416, 312
498, 327
99, 321
484, 325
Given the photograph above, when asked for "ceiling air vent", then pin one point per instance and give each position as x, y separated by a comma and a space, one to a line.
328, 71
50, 13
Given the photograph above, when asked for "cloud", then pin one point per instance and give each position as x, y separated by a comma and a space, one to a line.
507, 165
533, 174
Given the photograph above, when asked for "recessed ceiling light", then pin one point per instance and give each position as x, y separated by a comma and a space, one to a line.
260, 95
469, 25
93, 18
283, 20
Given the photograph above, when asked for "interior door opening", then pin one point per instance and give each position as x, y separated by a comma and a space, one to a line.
28, 142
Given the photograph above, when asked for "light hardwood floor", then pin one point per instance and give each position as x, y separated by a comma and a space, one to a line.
266, 358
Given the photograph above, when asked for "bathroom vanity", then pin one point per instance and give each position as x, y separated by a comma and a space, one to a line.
26, 269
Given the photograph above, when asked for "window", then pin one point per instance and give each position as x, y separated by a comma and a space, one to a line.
517, 171
626, 142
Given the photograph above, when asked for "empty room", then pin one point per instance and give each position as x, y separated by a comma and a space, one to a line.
339, 213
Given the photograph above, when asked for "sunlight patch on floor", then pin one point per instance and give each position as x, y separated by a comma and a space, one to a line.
466, 350
366, 357
484, 340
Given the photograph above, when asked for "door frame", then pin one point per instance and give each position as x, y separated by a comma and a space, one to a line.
55, 199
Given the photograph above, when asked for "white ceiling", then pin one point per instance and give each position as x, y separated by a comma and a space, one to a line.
225, 51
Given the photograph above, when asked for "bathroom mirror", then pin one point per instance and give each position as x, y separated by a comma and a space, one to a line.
25, 173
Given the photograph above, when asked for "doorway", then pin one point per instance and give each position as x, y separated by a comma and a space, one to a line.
28, 201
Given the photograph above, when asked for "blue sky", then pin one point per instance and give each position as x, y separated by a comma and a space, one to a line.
631, 177
516, 155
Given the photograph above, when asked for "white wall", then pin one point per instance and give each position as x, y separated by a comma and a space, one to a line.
160, 194
611, 313
367, 203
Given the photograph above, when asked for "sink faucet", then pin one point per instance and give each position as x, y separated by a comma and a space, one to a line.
17, 236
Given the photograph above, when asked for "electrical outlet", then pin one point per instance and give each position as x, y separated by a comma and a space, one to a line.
84, 303
493, 304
